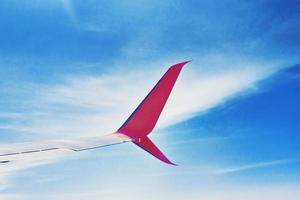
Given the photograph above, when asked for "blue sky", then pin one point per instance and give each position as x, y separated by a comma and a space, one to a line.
79, 68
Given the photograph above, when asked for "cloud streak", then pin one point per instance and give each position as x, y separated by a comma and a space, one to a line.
98, 104
138, 47
68, 6
94, 105
217, 171
274, 192
254, 166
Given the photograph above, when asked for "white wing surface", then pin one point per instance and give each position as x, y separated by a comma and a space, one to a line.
19, 151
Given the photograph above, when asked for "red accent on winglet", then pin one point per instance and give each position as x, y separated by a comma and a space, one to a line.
146, 144
142, 121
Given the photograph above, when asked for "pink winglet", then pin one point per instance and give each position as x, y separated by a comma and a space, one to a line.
142, 121
146, 144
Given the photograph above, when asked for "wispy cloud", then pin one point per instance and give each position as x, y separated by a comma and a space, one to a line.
212, 170
273, 192
253, 166
95, 105
27, 161
11, 197
68, 6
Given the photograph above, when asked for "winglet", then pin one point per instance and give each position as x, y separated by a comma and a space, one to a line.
146, 144
143, 120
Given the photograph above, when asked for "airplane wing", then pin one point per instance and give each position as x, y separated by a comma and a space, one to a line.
135, 129
18, 151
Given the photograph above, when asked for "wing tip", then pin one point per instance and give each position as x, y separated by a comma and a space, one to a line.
181, 64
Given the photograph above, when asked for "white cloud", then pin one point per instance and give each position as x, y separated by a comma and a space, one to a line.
253, 166
95, 105
11, 197
237, 192
211, 170
27, 161
251, 193
98, 104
